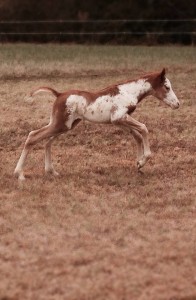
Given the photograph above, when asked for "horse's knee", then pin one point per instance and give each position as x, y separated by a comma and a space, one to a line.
144, 129
30, 141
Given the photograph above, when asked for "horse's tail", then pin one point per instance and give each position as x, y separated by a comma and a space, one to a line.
45, 90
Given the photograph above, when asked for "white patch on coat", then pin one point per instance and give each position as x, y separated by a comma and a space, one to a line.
118, 113
170, 98
132, 90
100, 110
76, 106
106, 108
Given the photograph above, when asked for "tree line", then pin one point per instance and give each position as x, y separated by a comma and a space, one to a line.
179, 27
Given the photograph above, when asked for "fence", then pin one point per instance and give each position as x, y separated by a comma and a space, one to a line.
100, 31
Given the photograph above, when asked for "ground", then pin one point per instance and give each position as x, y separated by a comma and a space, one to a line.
101, 230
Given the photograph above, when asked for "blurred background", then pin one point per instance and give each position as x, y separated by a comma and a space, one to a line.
111, 21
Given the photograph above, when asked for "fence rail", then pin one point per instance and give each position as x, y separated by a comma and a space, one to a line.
96, 21
124, 30
101, 33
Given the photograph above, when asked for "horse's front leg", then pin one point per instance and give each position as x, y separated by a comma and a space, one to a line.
140, 144
138, 138
141, 135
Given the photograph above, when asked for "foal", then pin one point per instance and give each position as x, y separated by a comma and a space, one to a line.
112, 105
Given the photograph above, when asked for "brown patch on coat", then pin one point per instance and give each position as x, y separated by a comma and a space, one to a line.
112, 91
113, 109
142, 96
131, 109
90, 96
156, 79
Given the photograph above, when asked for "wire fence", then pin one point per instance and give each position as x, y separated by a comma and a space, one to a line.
101, 31
98, 21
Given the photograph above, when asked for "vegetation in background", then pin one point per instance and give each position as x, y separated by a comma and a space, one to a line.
87, 10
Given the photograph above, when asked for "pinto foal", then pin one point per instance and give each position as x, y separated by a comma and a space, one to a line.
112, 105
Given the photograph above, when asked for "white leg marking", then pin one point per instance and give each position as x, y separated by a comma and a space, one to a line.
48, 161
141, 129
18, 172
139, 140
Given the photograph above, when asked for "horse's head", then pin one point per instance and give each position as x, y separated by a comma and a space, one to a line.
162, 90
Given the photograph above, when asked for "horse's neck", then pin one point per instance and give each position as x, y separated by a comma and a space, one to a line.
135, 90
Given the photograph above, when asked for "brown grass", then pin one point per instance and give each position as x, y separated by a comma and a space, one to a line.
101, 230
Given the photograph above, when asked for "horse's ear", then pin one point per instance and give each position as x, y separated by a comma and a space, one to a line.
162, 74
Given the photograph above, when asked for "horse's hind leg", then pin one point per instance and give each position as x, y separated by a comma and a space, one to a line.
49, 169
48, 161
34, 137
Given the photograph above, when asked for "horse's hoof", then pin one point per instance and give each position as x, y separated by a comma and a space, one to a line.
139, 165
19, 175
52, 172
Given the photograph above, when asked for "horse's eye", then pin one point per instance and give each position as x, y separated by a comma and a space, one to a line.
167, 88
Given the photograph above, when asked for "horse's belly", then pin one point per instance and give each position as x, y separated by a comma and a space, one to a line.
99, 111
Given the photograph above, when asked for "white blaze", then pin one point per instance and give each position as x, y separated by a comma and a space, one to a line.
170, 98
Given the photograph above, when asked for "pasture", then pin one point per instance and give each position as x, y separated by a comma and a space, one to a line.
101, 230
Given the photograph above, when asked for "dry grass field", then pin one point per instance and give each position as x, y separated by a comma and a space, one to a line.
101, 231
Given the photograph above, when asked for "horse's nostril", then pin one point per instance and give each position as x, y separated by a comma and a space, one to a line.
177, 104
